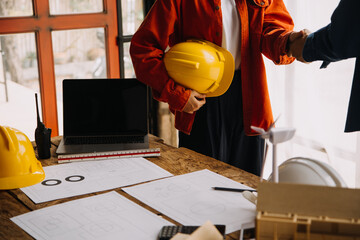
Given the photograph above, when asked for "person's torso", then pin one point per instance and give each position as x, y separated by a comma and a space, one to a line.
203, 19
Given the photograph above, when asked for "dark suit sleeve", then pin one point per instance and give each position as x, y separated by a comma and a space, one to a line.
338, 40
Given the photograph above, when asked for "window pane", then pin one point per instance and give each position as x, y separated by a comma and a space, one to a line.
15, 8
315, 101
129, 69
77, 54
321, 94
75, 6
132, 15
19, 81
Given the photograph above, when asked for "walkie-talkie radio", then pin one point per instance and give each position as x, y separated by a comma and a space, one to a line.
42, 136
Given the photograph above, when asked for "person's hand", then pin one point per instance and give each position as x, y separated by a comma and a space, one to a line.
195, 102
296, 44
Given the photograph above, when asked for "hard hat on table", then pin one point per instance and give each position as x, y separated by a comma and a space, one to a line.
18, 164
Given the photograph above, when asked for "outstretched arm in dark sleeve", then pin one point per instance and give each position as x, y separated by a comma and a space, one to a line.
338, 40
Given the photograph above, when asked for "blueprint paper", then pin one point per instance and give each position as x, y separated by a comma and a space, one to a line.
190, 200
73, 179
104, 216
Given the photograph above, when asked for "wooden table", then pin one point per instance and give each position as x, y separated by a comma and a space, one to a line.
175, 160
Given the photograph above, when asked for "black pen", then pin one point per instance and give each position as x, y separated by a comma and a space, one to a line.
233, 189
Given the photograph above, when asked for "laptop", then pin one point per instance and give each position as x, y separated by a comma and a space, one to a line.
102, 115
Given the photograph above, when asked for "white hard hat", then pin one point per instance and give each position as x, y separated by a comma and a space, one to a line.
309, 171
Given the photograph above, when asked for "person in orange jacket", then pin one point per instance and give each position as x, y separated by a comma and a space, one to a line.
219, 127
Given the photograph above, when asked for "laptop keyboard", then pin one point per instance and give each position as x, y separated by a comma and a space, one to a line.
103, 140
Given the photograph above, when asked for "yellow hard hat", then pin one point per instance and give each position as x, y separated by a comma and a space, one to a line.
18, 164
200, 65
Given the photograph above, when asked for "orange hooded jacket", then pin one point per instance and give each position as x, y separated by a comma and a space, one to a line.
265, 28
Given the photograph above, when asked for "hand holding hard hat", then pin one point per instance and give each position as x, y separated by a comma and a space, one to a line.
195, 102
202, 66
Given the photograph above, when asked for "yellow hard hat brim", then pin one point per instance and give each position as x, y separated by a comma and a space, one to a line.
22, 181
228, 74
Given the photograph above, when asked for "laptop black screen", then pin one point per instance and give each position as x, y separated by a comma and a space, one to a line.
103, 107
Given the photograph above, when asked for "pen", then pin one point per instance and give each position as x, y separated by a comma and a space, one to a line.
233, 189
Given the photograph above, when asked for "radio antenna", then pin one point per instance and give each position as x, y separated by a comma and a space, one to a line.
37, 109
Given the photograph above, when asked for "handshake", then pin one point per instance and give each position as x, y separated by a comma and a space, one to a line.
296, 44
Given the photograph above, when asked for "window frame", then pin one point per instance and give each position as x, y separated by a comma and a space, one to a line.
42, 23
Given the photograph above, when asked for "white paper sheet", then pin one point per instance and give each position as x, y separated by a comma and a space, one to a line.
104, 216
190, 200
73, 179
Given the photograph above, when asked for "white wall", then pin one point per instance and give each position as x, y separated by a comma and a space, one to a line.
315, 101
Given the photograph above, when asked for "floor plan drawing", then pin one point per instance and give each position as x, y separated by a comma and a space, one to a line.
77, 178
190, 200
104, 216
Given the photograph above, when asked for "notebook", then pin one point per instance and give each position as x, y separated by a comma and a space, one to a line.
101, 115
